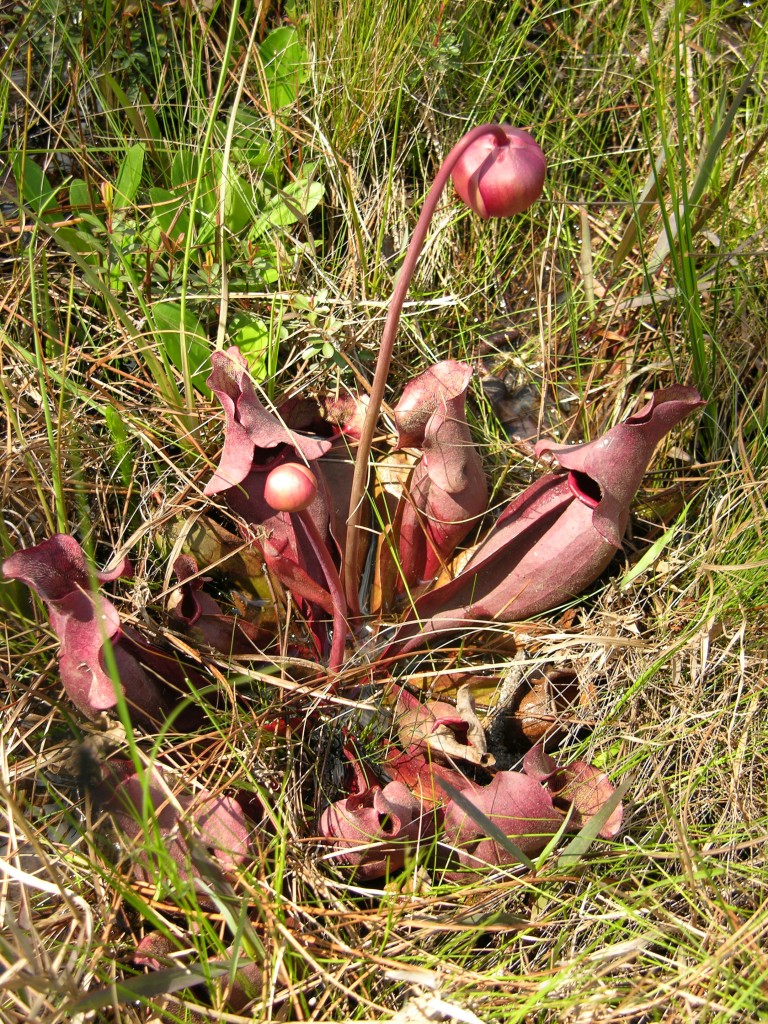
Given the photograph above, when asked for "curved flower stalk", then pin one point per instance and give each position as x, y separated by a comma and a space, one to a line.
491, 143
85, 622
447, 492
559, 535
292, 489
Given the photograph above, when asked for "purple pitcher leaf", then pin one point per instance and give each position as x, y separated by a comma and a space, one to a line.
447, 492
283, 541
423, 776
121, 570
250, 428
199, 614
256, 443
516, 804
540, 554
57, 567
233, 636
217, 822
374, 831
606, 473
334, 471
84, 623
538, 764
586, 789
358, 776
287, 567
189, 601
558, 536
578, 787
424, 395
154, 951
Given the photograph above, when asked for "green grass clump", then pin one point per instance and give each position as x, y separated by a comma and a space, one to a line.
177, 178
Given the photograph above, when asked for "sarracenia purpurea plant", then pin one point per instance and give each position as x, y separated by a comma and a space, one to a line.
297, 479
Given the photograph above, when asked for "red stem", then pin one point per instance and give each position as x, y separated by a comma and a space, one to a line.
340, 627
351, 563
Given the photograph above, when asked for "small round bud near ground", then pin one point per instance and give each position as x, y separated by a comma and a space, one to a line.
497, 178
290, 488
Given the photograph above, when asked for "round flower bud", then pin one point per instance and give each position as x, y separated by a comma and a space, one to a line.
497, 178
290, 488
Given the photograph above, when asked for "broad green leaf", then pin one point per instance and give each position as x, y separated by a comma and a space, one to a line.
205, 238
167, 322
91, 224
150, 118
129, 176
81, 194
249, 146
33, 184
288, 206
168, 210
184, 169
253, 337
83, 242
311, 194
285, 65
238, 200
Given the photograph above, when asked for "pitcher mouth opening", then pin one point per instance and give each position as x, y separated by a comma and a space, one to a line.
267, 459
585, 488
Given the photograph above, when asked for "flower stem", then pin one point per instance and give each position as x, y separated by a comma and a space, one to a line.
352, 553
340, 627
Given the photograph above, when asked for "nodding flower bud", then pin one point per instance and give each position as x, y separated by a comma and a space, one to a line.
290, 488
498, 178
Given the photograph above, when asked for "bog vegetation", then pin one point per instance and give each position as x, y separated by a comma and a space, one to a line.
469, 726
